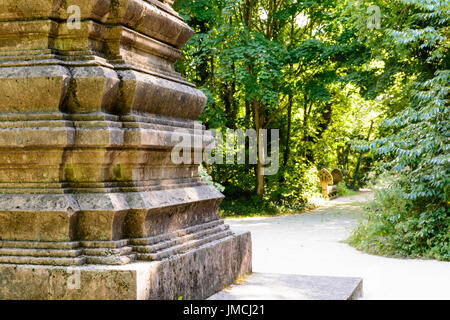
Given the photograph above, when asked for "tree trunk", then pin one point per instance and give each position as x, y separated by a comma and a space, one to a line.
287, 149
259, 121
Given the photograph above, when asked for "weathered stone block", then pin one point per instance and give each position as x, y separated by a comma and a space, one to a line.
33, 89
31, 217
148, 19
93, 89
146, 93
27, 35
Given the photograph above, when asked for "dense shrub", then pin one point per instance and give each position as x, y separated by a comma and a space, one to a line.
287, 192
398, 226
299, 186
343, 190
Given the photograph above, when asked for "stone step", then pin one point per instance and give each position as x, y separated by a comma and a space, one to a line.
107, 251
114, 244
180, 240
116, 252
111, 260
38, 244
78, 261
175, 234
55, 253
181, 248
211, 224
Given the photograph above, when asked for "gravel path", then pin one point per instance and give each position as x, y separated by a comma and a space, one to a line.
311, 244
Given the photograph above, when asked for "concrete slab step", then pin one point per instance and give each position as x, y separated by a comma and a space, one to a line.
269, 286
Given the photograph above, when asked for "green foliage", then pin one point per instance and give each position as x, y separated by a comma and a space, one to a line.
288, 72
394, 227
202, 173
299, 187
316, 71
412, 216
248, 207
343, 191
298, 191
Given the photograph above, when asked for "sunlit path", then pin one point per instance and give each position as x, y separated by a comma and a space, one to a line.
310, 244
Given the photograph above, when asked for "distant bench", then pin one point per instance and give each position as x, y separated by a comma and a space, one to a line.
329, 182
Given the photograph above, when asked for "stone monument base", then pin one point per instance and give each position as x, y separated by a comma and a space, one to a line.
194, 274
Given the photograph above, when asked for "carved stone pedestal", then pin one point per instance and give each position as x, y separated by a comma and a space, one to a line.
88, 119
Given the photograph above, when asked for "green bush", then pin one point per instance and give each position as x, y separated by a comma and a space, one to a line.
397, 226
290, 191
248, 207
343, 190
300, 185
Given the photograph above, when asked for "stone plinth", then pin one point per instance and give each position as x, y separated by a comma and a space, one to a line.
89, 115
